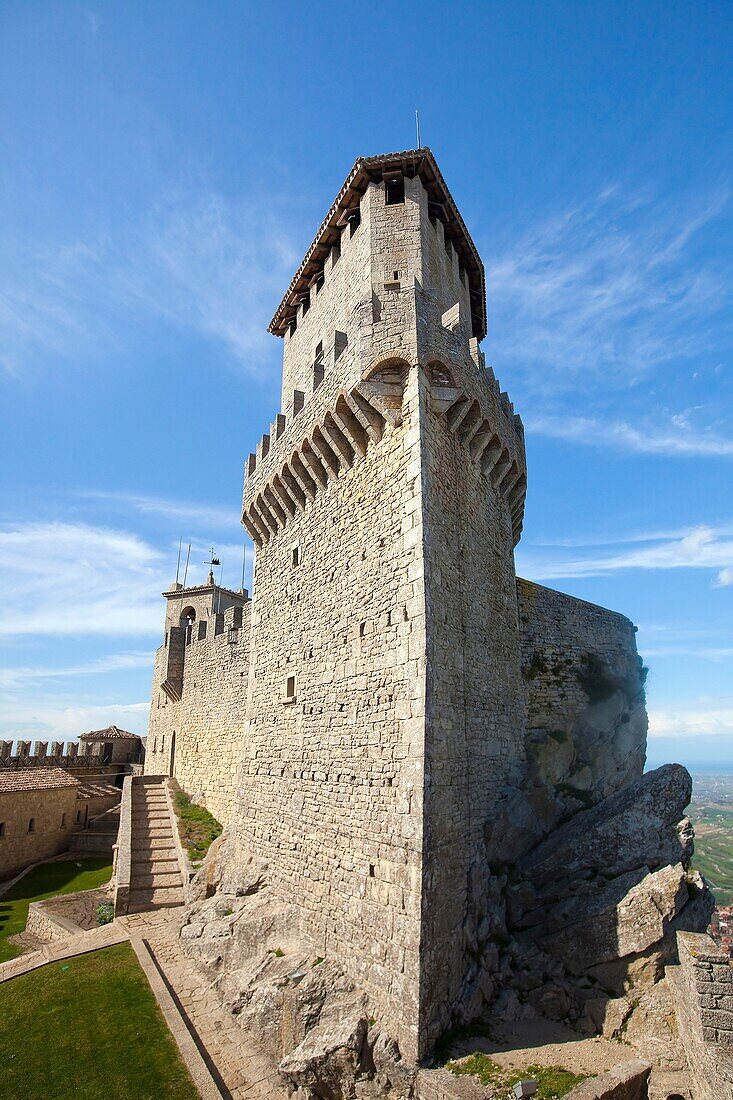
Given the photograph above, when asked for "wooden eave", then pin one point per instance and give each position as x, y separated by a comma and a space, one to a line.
410, 163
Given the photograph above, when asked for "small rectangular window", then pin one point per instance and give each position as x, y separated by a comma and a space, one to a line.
354, 218
320, 280
318, 356
296, 555
290, 687
448, 248
394, 190
293, 326
335, 254
306, 302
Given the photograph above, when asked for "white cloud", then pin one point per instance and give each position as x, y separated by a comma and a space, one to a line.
24, 719
699, 720
725, 577
606, 290
699, 548
674, 440
73, 578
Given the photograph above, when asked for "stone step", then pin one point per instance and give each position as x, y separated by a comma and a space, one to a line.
157, 867
157, 832
157, 880
146, 898
154, 849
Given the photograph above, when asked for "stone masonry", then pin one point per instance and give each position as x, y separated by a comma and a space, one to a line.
374, 722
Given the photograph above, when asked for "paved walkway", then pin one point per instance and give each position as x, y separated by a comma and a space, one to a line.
242, 1071
105, 936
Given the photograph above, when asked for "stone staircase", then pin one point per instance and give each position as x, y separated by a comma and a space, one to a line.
155, 873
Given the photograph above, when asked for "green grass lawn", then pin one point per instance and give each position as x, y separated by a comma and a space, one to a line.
88, 1028
65, 876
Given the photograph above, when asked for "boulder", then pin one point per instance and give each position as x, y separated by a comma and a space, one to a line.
643, 824
617, 918
330, 1057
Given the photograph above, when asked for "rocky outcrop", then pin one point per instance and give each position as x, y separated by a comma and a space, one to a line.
305, 1013
578, 928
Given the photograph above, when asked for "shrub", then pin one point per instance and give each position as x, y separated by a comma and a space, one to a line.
105, 912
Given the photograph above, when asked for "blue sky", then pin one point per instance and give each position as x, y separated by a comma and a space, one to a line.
164, 168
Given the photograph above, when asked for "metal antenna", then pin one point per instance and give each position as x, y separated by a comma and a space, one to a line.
185, 571
417, 128
178, 563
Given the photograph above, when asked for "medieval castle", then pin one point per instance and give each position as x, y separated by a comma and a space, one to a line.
394, 722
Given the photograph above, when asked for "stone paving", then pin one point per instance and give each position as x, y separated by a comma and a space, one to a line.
244, 1071
105, 936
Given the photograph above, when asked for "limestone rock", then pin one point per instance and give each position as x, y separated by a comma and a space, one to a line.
620, 918
330, 1057
643, 824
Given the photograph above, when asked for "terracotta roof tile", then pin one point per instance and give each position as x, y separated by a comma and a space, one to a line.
34, 779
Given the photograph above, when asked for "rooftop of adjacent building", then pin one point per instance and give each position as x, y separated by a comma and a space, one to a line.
366, 170
210, 586
111, 733
35, 779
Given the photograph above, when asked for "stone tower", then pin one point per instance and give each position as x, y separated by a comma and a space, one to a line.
384, 710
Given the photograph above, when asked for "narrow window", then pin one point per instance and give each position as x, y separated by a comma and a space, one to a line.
371, 870
162, 744
296, 555
293, 326
290, 687
63, 821
306, 301
354, 218
32, 825
319, 369
2, 828
448, 248
335, 254
78, 817
395, 190
320, 280
319, 352
362, 629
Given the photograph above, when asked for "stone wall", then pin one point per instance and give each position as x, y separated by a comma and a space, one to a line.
703, 1000
198, 738
475, 723
586, 715
331, 786
54, 814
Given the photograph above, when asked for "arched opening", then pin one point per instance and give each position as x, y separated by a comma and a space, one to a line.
675, 1096
186, 621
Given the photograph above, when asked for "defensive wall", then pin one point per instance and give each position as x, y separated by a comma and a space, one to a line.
197, 736
702, 985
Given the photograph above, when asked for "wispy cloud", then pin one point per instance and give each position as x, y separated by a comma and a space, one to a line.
73, 578
187, 512
12, 679
699, 548
202, 262
674, 439
607, 289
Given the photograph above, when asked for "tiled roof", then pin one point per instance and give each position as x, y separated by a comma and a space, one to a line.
89, 788
411, 162
111, 733
34, 779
